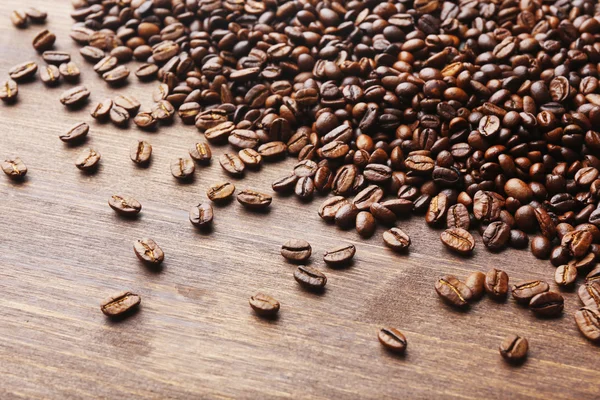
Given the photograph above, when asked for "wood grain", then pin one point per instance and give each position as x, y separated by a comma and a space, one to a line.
63, 250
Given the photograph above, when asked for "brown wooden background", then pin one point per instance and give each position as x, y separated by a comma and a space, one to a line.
63, 250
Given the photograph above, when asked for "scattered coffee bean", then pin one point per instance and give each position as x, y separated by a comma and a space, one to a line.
250, 157
140, 152
148, 251
23, 72
88, 159
69, 71
496, 284
201, 215
365, 224
458, 217
182, 168
340, 255
56, 57
120, 304
76, 133
514, 348
392, 339
565, 275
525, 291
118, 116
116, 76
285, 184
310, 278
589, 294
201, 153
50, 75
331, 206
36, 15
254, 200
264, 305
127, 102
74, 96
125, 205
232, 164
8, 91
588, 322
296, 250
102, 109
44, 40
14, 168
19, 18
220, 192
476, 281
541, 247
145, 120
396, 239
458, 240
547, 304
496, 235
453, 291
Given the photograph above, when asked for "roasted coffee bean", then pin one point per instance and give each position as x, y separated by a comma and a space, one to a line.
323, 179
458, 217
23, 72
383, 214
188, 112
148, 251
106, 64
88, 159
182, 168
377, 173
163, 111
145, 120
74, 96
44, 40
518, 239
124, 205
345, 217
585, 262
118, 115
547, 304
50, 75
396, 239
102, 109
453, 291
272, 150
56, 57
589, 294
201, 216
577, 242
220, 192
525, 291
250, 157
340, 255
116, 76
331, 206
437, 209
310, 278
232, 164
254, 200
565, 275
296, 250
76, 133
264, 305
367, 197
588, 322
19, 18
305, 168
36, 15
514, 348
399, 207
8, 91
496, 235
92, 54
140, 152
545, 222
201, 153
487, 206
211, 119
243, 139
146, 71
69, 71
120, 304
419, 164
392, 339
476, 281
304, 188
458, 240
129, 103
365, 224
496, 284
541, 247
14, 168
285, 184
335, 150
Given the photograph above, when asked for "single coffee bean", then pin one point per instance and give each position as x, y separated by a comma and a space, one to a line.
211, 119
120, 304
23, 72
458, 217
44, 40
458, 240
88, 159
140, 152
254, 200
392, 339
476, 281
310, 278
577, 242
345, 217
201, 216
188, 112
514, 348
182, 168
8, 91
148, 251
525, 291
584, 262
264, 305
163, 111
201, 153
285, 184
118, 115
400, 207
74, 96
518, 239
232, 164
102, 109
419, 164
14, 168
496, 235
340, 255
589, 294
92, 54
36, 15
76, 133
220, 192
548, 304
146, 71
145, 120
273, 150
437, 209
106, 64
367, 197
243, 139
305, 168
365, 224
50, 75
487, 206
331, 206
69, 71
124, 205
127, 102
296, 250
565, 275
496, 284
588, 322
56, 57
541, 247
116, 76
545, 222
453, 291
594, 275
396, 239
19, 18
250, 157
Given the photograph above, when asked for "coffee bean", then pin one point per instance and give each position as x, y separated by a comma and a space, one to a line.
106, 64
243, 139
272, 150
8, 91
458, 217
399, 207
201, 153
19, 18
594, 275
323, 179
514, 348
120, 304
69, 71
92, 54
396, 239
36, 16
565, 275
577, 242
14, 168
285, 184
345, 217
76, 133
127, 102
304, 188
74, 96
44, 40
392, 339
148, 251
296, 250
23, 72
588, 322
56, 57
476, 281
124, 205
365, 224
584, 262
182, 168
487, 206
496, 235
310, 278
545, 222
50, 75
541, 247
518, 239
220, 192
254, 200
496, 284
458, 240
305, 168
116, 76
340, 255
145, 120
331, 206
102, 109
589, 294
201, 216
188, 112
211, 119
140, 152
250, 157
437, 209
525, 291
88, 159
453, 291
146, 71
264, 305
118, 115
547, 304
232, 164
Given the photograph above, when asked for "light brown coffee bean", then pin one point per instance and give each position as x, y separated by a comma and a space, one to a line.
120, 304
264, 305
148, 251
125, 205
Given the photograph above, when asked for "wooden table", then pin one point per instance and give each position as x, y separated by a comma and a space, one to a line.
63, 250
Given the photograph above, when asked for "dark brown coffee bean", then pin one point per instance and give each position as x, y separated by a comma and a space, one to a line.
76, 133
514, 348
458, 217
458, 240
118, 115
565, 275
367, 197
116, 76
23, 72
140, 152
345, 217
541, 247
56, 57
496, 235
296, 250
310, 278
525, 291
232, 164
400, 207
594, 275
74, 96
340, 255
14, 168
124, 205
88, 159
36, 15
547, 304
8, 91
92, 54
182, 168
365, 224
44, 40
69, 71
102, 109
335, 150
577, 242
419, 164
392, 339
545, 222
487, 206
50, 75
264, 305
188, 112
323, 179
273, 150
476, 281
243, 139
496, 284
201, 153
437, 209
250, 157
396, 239
377, 173
211, 119
585, 262
164, 51
254, 200
105, 65
304, 188
331, 206
146, 72
453, 291
148, 251
145, 120
201, 216
285, 184
518, 239
589, 294
120, 304
588, 322
220, 192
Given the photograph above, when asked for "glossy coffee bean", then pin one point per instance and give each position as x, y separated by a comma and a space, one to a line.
310, 278
125, 205
453, 291
340, 255
514, 348
201, 215
296, 250
264, 305
392, 339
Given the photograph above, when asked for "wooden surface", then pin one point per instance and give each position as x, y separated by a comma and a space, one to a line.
63, 250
